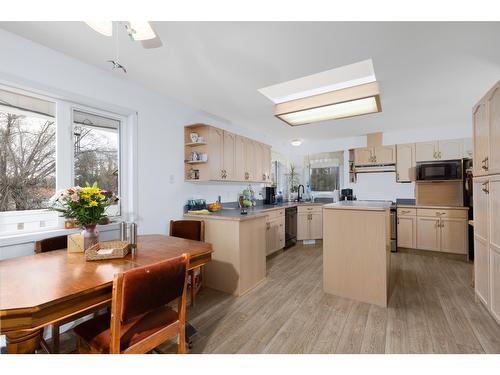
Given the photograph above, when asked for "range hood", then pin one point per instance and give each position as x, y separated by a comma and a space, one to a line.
375, 168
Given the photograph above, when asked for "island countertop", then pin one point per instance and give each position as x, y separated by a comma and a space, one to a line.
359, 205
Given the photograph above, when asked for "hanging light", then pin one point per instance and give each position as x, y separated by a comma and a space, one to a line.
296, 142
140, 30
102, 27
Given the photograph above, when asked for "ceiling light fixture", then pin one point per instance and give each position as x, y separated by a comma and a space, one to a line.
102, 27
348, 102
296, 142
140, 30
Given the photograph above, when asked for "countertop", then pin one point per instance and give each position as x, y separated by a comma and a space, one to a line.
359, 205
253, 213
434, 207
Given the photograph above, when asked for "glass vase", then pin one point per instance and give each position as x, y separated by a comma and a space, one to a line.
90, 235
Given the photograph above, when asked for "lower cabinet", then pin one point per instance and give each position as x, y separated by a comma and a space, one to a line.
453, 235
407, 231
275, 232
310, 223
495, 282
428, 233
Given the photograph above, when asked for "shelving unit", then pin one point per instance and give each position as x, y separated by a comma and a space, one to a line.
203, 147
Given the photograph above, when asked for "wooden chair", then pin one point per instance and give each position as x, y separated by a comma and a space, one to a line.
43, 246
191, 230
141, 318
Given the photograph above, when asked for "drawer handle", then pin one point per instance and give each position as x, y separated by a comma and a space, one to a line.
485, 187
405, 211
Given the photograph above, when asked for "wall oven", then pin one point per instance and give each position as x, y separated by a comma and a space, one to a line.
439, 170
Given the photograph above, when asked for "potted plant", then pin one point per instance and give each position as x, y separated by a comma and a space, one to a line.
293, 180
87, 206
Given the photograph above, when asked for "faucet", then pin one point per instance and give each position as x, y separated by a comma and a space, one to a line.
299, 197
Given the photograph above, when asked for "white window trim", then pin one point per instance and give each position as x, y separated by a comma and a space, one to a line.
64, 140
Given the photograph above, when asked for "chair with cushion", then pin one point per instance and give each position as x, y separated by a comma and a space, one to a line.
190, 230
141, 318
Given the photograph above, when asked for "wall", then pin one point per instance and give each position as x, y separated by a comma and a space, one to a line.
161, 189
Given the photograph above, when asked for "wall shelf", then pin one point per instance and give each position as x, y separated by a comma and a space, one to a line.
193, 144
195, 161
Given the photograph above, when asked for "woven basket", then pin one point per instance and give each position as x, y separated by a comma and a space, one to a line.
120, 250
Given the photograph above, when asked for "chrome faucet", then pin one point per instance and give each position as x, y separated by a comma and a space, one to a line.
299, 197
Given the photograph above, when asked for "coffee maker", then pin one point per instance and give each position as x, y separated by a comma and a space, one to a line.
270, 195
346, 195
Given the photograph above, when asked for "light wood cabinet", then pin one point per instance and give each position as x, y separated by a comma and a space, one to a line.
407, 231
493, 163
316, 226
495, 283
384, 154
449, 149
275, 231
428, 233
453, 235
363, 156
480, 127
481, 271
405, 162
302, 226
493, 192
224, 156
310, 223
426, 151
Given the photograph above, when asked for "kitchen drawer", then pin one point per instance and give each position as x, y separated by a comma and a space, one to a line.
407, 211
275, 213
432, 212
309, 209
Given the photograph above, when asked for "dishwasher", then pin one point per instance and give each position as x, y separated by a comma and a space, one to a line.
290, 227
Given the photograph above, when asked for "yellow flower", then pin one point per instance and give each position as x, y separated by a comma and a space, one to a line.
92, 204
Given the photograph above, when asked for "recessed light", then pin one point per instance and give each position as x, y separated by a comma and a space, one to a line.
296, 142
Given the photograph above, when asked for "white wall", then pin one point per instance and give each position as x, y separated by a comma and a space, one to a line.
161, 187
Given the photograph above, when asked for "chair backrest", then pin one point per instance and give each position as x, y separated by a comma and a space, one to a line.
147, 288
50, 244
188, 229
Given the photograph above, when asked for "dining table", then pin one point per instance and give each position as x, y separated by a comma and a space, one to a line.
40, 289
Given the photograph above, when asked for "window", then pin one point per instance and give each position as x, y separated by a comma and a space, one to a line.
325, 179
96, 153
40, 156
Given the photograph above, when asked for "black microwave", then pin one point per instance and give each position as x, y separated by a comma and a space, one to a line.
439, 170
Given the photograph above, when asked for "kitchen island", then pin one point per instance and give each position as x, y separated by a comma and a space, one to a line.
356, 250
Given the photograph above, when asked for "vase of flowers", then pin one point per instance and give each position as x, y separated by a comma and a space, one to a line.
87, 205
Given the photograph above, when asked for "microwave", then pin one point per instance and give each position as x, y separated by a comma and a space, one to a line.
439, 170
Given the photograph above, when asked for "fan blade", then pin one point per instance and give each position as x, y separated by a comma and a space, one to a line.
152, 43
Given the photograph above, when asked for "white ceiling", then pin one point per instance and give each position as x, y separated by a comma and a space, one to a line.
430, 74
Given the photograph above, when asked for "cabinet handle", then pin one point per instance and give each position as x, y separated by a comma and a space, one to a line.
247, 175
485, 164
439, 154
398, 220
485, 187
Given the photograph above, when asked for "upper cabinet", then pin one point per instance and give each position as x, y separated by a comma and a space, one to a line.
493, 164
213, 154
405, 166
375, 155
439, 150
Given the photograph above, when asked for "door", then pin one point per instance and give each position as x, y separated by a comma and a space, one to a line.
405, 162
384, 154
228, 162
494, 130
303, 226
363, 156
481, 145
258, 161
316, 226
407, 231
450, 149
266, 163
454, 235
494, 236
249, 160
215, 154
428, 233
426, 151
239, 159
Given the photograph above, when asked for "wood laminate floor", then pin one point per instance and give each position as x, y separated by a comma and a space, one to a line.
432, 309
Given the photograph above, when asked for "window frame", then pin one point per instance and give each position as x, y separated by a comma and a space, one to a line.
323, 191
65, 157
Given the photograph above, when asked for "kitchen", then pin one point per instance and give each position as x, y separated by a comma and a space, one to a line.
350, 202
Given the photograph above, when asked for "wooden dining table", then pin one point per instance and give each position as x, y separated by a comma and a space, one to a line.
40, 289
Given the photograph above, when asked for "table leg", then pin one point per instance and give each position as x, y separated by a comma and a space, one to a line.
22, 342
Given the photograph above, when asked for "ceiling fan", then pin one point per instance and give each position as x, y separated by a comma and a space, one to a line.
137, 31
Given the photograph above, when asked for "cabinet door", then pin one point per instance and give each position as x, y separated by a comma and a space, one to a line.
228, 162
249, 160
407, 233
405, 162
481, 145
494, 130
384, 154
216, 152
454, 235
303, 226
239, 159
428, 233
258, 161
363, 156
480, 198
495, 283
481, 270
450, 149
494, 236
266, 163
426, 151
316, 226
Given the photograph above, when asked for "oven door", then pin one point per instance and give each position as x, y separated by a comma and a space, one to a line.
439, 170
